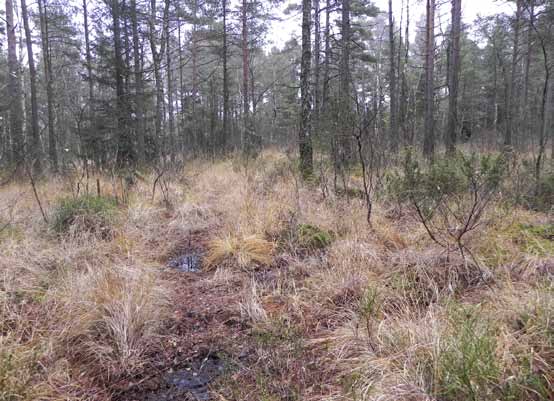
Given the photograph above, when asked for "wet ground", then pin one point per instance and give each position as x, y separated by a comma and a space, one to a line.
187, 262
190, 383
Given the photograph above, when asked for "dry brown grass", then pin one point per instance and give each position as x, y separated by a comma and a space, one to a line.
243, 252
79, 314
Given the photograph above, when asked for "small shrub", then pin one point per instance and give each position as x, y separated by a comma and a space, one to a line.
85, 214
239, 251
311, 237
450, 196
467, 365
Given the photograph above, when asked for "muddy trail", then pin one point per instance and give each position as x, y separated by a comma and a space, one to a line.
212, 352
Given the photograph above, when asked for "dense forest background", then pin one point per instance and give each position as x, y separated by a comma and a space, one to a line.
128, 83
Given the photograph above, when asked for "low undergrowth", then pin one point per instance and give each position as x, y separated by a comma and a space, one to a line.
313, 302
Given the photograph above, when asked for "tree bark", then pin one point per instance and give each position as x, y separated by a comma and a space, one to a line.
52, 151
171, 117
14, 89
344, 72
429, 121
510, 112
392, 85
327, 61
245, 72
34, 151
453, 76
125, 154
225, 131
139, 85
304, 134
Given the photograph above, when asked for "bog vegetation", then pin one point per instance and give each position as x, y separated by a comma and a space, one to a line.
361, 212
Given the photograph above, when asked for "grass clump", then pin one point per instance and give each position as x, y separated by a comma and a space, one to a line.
536, 239
239, 251
85, 213
311, 237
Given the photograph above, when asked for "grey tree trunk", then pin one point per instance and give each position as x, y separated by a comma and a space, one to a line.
125, 154
14, 89
429, 121
52, 151
34, 151
453, 76
304, 134
139, 85
511, 112
392, 82
171, 117
344, 73
225, 131
245, 73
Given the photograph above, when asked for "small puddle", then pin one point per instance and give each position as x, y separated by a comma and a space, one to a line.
192, 382
189, 262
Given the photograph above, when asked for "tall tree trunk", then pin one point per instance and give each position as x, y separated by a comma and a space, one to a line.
34, 151
245, 73
429, 121
225, 131
197, 132
327, 61
317, 62
157, 56
171, 117
124, 144
14, 89
392, 85
304, 134
525, 99
453, 76
139, 86
510, 112
344, 73
47, 62
404, 102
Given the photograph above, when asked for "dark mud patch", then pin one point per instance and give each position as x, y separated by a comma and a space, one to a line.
189, 383
188, 262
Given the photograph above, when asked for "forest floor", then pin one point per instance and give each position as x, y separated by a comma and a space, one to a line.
296, 296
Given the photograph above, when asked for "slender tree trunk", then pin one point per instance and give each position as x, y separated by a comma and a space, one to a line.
225, 131
429, 121
171, 117
392, 85
139, 86
52, 151
195, 126
326, 64
404, 107
88, 57
453, 76
245, 72
156, 61
317, 63
525, 99
14, 89
124, 144
34, 151
510, 112
304, 134
344, 73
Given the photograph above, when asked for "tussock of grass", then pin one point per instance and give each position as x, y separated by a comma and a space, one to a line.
85, 213
239, 251
109, 317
